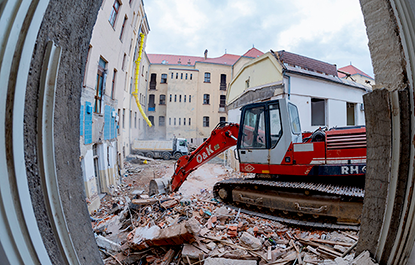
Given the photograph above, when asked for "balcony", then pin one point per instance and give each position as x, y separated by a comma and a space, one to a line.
151, 108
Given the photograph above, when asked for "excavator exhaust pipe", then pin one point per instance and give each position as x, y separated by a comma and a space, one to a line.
159, 186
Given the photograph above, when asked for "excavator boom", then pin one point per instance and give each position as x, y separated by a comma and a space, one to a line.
222, 137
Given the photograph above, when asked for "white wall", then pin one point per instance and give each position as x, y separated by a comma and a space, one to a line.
336, 95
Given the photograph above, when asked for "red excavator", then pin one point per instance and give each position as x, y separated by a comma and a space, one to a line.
313, 175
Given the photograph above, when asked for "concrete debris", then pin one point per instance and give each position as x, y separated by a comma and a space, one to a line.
135, 228
222, 261
250, 241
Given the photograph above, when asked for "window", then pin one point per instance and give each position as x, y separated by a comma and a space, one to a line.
171, 76
350, 109
181, 76
151, 103
122, 28
162, 99
153, 81
169, 121
253, 130
100, 86
184, 99
123, 62
294, 118
170, 97
161, 121
163, 79
177, 75
206, 99
190, 121
207, 77
318, 112
222, 119
175, 98
191, 76
123, 118
184, 121
190, 98
130, 117
275, 122
114, 12
205, 121
222, 82
118, 123
186, 76
222, 101
180, 121
151, 119
180, 98
174, 121
135, 119
114, 75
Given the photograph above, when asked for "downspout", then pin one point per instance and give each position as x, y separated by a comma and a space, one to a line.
289, 84
137, 70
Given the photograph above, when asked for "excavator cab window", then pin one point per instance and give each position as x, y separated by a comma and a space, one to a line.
275, 124
253, 131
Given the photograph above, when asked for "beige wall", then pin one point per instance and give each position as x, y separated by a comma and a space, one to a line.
177, 111
260, 71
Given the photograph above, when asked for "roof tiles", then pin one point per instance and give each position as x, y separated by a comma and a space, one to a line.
352, 70
307, 63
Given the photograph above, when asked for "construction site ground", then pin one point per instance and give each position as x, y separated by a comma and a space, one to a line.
191, 227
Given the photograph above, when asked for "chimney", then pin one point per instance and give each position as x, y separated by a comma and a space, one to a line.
206, 51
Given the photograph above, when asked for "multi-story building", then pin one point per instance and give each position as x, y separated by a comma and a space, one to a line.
187, 94
108, 111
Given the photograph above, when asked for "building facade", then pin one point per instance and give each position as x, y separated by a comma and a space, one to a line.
323, 99
187, 94
108, 113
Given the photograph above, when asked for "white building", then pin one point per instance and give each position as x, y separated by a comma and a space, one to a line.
108, 111
323, 99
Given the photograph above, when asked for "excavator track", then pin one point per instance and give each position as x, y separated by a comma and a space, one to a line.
301, 203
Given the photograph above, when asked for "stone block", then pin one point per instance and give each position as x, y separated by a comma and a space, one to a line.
191, 251
250, 241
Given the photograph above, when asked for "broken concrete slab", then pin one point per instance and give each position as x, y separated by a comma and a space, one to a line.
191, 251
363, 259
107, 244
193, 226
222, 261
250, 241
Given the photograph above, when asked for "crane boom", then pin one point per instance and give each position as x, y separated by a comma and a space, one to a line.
222, 137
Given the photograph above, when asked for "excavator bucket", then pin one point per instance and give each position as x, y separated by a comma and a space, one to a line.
159, 186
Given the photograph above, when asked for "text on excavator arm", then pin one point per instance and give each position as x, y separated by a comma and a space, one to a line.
222, 137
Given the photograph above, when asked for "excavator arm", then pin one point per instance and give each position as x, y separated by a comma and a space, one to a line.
222, 137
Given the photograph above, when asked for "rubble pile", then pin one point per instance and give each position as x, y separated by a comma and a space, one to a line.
199, 230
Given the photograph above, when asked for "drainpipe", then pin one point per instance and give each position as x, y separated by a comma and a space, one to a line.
289, 84
137, 70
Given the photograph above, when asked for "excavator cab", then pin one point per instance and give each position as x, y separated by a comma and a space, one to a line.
267, 131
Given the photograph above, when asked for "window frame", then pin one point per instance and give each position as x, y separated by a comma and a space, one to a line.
206, 99
163, 79
206, 121
114, 13
207, 77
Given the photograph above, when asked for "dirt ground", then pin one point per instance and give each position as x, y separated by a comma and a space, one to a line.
139, 174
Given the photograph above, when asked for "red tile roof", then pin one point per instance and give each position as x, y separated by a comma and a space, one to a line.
227, 58
253, 52
307, 63
352, 70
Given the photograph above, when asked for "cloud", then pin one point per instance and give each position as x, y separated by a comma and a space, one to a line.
328, 30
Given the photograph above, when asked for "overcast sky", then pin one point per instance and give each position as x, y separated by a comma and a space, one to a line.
328, 30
